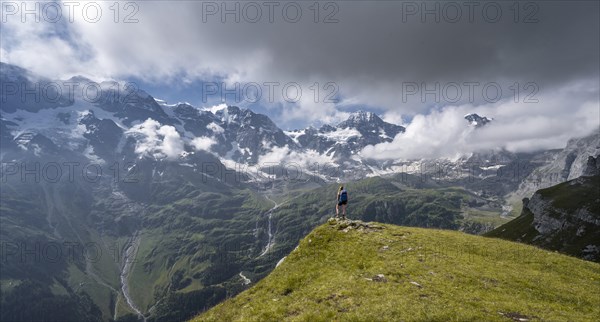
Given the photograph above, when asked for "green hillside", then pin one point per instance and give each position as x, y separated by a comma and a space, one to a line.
360, 272
180, 225
194, 235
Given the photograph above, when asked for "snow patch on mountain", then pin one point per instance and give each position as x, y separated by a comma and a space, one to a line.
341, 135
295, 134
217, 129
358, 118
383, 135
167, 108
494, 167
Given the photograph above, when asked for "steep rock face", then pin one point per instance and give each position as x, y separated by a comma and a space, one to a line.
103, 135
255, 134
124, 101
311, 139
568, 164
548, 219
582, 150
373, 130
371, 126
565, 217
194, 120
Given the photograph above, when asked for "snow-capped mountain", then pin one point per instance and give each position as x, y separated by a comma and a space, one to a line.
238, 134
348, 137
118, 121
123, 124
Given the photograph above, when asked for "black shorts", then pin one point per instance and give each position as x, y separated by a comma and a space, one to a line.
342, 203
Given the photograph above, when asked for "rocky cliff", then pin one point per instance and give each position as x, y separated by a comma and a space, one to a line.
565, 218
568, 164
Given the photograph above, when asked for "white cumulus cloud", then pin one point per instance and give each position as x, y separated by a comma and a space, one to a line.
156, 140
560, 114
285, 156
203, 143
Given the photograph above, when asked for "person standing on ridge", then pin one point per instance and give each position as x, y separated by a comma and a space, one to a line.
342, 200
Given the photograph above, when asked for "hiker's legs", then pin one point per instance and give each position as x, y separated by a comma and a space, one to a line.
337, 209
344, 210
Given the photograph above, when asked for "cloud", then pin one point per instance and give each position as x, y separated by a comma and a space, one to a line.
203, 143
172, 145
393, 117
3, 55
312, 111
371, 52
163, 141
214, 109
517, 127
285, 156
157, 141
402, 66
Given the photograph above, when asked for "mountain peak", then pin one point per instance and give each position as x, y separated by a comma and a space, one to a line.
476, 120
363, 116
359, 118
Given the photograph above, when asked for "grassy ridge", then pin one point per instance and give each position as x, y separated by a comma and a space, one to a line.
428, 275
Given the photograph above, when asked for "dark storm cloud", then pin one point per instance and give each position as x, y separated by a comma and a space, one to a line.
372, 42
376, 40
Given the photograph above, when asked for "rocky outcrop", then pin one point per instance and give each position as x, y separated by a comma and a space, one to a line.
565, 217
549, 219
358, 225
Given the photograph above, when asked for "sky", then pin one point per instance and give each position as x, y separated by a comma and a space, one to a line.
532, 66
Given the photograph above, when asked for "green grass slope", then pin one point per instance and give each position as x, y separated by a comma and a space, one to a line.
426, 275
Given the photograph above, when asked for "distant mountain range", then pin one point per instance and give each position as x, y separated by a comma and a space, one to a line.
111, 121
107, 121
104, 124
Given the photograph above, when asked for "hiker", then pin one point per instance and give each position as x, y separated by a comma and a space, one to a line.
342, 200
